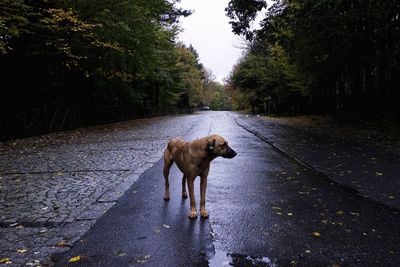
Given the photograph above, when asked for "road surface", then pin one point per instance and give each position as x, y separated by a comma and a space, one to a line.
266, 209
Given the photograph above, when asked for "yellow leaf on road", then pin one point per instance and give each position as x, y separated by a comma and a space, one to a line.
75, 259
22, 250
316, 234
4, 260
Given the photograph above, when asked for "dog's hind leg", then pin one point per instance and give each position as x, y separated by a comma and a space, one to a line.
184, 194
167, 165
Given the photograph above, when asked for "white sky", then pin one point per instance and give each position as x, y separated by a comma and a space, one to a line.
209, 31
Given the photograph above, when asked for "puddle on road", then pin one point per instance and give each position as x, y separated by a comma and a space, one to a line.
221, 258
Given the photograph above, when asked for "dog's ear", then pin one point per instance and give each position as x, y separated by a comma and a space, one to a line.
210, 147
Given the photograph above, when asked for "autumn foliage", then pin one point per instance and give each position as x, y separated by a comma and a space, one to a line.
95, 53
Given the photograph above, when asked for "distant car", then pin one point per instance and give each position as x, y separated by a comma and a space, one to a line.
204, 108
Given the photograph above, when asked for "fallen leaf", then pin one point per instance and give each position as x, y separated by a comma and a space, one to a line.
166, 226
307, 251
290, 214
340, 212
4, 260
279, 213
75, 259
378, 173
391, 197
22, 250
144, 260
62, 243
316, 234
276, 208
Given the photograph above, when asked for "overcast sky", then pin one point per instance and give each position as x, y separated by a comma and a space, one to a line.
208, 30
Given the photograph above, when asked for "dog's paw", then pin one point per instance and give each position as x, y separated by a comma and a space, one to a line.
184, 195
204, 214
166, 196
193, 215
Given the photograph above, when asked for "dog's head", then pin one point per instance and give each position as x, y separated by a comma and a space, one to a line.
217, 146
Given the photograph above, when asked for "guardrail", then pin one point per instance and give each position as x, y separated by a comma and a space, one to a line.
28, 122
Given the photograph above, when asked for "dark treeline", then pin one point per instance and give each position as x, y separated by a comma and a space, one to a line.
319, 56
96, 53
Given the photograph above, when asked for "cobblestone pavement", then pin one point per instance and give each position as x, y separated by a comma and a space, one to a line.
54, 187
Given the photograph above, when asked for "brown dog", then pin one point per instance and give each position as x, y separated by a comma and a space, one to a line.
193, 159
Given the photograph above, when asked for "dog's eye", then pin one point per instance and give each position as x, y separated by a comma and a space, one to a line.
225, 144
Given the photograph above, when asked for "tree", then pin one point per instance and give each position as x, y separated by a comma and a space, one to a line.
336, 56
79, 53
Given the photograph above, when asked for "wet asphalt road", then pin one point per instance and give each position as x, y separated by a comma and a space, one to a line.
265, 210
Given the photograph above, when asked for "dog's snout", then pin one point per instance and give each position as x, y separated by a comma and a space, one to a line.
231, 153
234, 153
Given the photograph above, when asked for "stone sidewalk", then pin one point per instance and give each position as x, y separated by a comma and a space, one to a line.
54, 187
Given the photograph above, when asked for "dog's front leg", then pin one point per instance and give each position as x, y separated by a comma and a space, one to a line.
193, 211
203, 188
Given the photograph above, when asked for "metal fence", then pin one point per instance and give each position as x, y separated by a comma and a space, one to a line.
28, 122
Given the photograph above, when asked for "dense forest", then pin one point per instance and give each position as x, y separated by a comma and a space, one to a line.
97, 53
314, 56
319, 56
